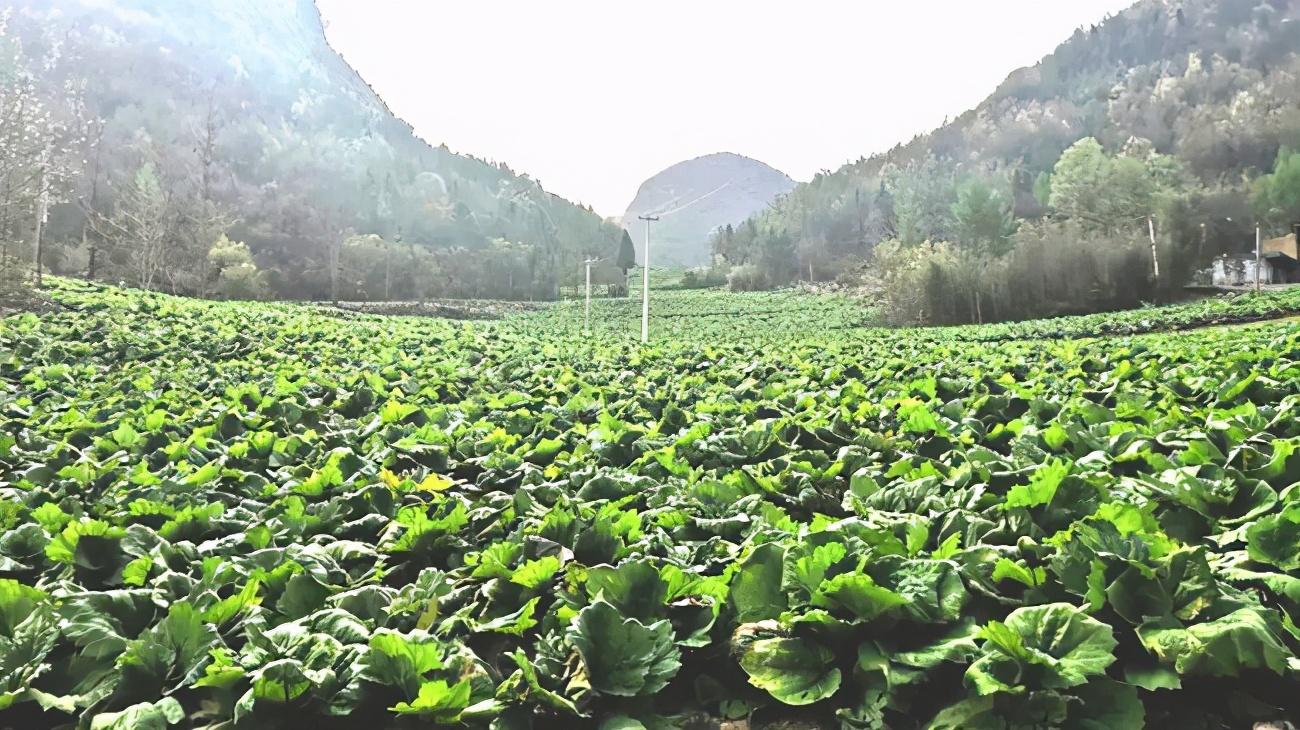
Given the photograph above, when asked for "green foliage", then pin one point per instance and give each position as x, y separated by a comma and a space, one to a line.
1276, 196
982, 221
747, 277
261, 515
626, 252
1147, 105
623, 656
924, 201
1109, 193
281, 148
1055, 646
793, 671
237, 274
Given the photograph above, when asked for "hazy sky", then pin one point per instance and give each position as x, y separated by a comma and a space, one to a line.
591, 97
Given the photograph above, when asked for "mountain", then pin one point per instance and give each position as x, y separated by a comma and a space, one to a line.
1212, 86
695, 198
239, 114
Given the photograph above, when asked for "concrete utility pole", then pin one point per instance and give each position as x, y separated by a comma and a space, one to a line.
1155, 261
586, 310
645, 280
1258, 240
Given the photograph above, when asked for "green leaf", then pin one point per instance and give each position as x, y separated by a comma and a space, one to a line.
125, 436
1247, 638
1275, 538
622, 655
1042, 486
222, 672
495, 560
1152, 678
438, 701
809, 570
528, 673
17, 602
634, 588
794, 671
1041, 647
281, 681
1007, 569
932, 590
226, 609
756, 592
1103, 704
513, 623
957, 645
96, 633
535, 573
144, 716
858, 595
621, 722
172, 653
403, 660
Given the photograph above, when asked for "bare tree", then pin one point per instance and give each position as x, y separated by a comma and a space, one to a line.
140, 225
39, 139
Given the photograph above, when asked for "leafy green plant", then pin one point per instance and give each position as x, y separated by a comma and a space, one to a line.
259, 515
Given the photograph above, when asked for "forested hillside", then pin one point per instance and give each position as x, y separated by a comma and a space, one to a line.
1183, 111
225, 148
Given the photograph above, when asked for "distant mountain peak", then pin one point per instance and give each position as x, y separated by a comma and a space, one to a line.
695, 197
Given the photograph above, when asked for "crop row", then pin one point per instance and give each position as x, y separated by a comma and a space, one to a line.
249, 515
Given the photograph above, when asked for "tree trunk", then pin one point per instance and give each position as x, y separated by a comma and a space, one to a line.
41, 202
40, 240
388, 272
334, 272
91, 248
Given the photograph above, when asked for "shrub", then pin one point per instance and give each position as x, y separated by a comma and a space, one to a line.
747, 277
237, 275
702, 278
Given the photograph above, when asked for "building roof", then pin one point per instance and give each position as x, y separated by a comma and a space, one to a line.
1283, 245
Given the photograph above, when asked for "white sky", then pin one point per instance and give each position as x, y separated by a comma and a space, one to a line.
591, 97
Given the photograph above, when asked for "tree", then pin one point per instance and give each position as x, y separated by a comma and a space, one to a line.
140, 226
984, 228
237, 275
1079, 180
982, 219
38, 142
1109, 193
923, 195
776, 259
1276, 197
626, 259
626, 253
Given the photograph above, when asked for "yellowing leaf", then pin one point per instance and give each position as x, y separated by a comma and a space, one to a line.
389, 478
434, 483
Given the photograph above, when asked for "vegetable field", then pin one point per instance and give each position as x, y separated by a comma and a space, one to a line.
274, 516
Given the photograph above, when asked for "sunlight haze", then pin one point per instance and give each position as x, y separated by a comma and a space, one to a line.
550, 90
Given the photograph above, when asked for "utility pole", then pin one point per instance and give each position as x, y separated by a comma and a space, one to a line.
1155, 261
1258, 239
645, 280
586, 310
